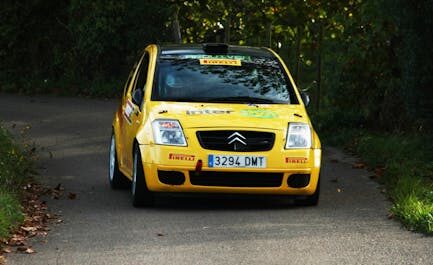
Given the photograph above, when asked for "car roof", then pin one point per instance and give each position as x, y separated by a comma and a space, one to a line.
177, 49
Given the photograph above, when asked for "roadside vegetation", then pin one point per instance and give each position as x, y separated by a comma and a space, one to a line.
407, 164
368, 62
14, 169
402, 162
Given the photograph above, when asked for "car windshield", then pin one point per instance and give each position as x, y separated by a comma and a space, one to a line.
222, 78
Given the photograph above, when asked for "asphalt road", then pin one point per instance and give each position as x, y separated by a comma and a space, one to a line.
350, 226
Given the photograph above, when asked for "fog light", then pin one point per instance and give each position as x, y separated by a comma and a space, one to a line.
298, 180
171, 177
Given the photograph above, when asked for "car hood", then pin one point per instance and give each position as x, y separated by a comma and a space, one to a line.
211, 115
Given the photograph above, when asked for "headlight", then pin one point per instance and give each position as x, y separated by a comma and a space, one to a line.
168, 132
298, 136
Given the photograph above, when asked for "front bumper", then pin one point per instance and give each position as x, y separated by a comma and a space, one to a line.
184, 159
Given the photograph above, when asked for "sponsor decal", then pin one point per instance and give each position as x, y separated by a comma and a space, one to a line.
229, 62
129, 109
259, 113
296, 160
208, 111
181, 157
207, 56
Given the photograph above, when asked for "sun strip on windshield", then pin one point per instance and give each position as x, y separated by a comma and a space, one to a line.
216, 56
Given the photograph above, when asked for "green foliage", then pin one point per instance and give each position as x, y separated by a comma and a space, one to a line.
75, 44
10, 212
414, 203
14, 169
382, 72
14, 163
407, 160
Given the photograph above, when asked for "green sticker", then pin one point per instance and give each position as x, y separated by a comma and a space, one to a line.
259, 113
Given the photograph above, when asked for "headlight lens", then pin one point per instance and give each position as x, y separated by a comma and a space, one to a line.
168, 132
298, 136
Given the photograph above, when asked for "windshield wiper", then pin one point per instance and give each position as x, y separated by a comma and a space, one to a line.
242, 99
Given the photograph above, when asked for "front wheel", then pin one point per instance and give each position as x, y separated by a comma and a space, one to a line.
115, 177
310, 200
141, 196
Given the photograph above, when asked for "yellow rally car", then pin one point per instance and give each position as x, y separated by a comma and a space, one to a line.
213, 118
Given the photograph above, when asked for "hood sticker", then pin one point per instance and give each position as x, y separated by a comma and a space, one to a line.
208, 111
259, 113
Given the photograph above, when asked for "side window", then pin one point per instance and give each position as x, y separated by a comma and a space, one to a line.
142, 74
125, 89
140, 82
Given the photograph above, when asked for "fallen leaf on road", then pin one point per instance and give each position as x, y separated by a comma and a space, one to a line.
27, 250
30, 251
159, 234
72, 196
35, 220
16, 240
29, 228
390, 216
6, 250
22, 249
42, 233
2, 260
379, 171
59, 187
339, 190
358, 165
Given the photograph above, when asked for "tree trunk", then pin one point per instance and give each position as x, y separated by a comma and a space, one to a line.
319, 67
177, 37
270, 35
227, 29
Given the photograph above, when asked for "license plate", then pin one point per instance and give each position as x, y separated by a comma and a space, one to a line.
233, 161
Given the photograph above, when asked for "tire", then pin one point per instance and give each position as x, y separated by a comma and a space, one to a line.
310, 200
115, 177
141, 196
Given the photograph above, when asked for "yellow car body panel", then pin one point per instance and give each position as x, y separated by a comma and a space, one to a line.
193, 117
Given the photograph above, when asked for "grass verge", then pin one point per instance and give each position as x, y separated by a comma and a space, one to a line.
15, 166
404, 164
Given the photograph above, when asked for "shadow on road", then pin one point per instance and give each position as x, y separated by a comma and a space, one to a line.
221, 202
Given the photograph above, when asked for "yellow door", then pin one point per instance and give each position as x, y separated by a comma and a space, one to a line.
133, 109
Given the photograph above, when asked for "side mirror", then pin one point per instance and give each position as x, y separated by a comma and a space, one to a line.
137, 97
314, 83
305, 98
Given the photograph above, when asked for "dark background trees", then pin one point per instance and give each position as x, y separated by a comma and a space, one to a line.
371, 60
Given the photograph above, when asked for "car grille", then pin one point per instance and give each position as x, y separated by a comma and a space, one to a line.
236, 179
220, 140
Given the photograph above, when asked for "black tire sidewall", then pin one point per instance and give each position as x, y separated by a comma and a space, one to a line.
141, 195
